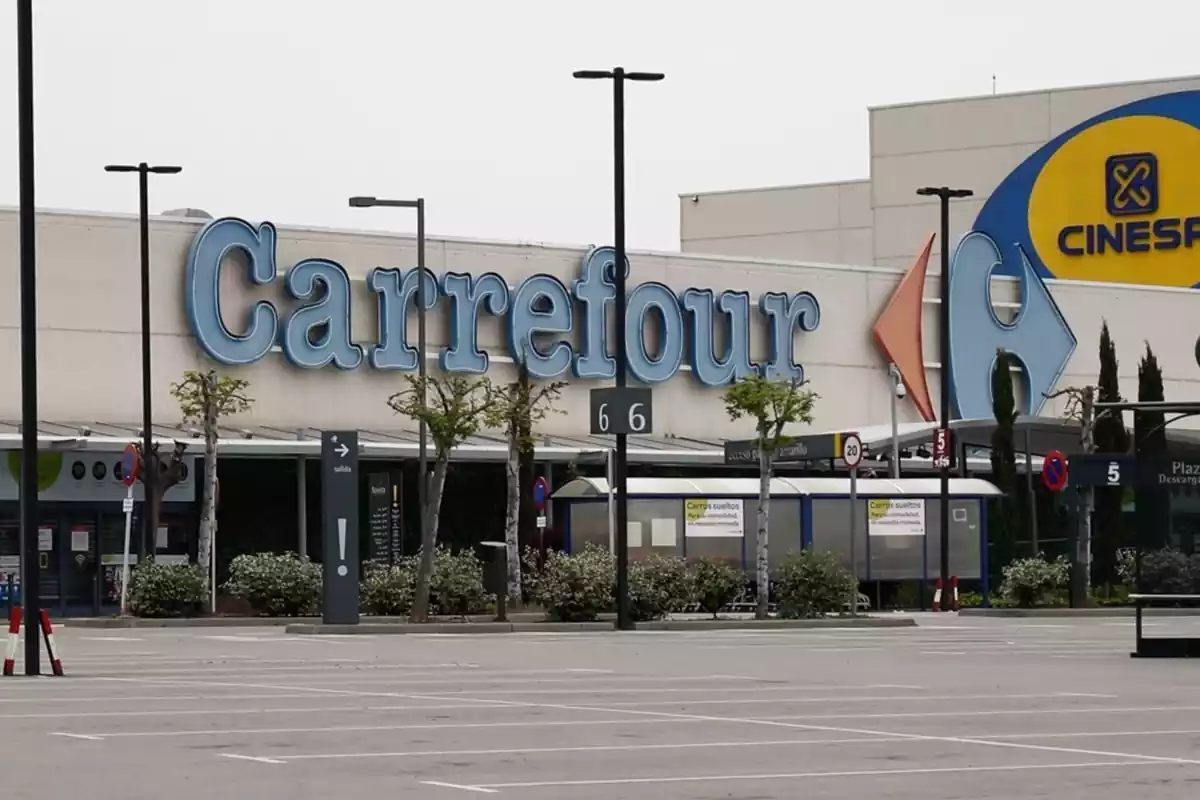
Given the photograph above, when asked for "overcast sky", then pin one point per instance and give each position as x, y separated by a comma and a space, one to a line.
280, 109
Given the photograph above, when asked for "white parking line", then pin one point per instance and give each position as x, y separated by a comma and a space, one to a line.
863, 773
482, 789
864, 732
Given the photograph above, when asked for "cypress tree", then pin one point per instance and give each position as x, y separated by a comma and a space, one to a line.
1003, 521
1109, 436
1150, 444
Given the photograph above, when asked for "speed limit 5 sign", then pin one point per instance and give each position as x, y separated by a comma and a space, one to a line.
621, 409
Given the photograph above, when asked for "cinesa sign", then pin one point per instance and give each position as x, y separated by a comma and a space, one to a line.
540, 317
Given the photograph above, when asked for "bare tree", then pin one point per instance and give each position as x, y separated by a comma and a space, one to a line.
204, 398
456, 409
523, 406
772, 404
171, 469
1081, 408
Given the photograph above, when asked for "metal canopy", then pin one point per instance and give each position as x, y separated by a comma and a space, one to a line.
277, 442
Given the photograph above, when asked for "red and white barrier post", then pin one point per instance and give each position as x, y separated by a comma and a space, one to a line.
937, 596
48, 633
14, 637
954, 588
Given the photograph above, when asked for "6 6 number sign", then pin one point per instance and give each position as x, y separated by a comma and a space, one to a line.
621, 409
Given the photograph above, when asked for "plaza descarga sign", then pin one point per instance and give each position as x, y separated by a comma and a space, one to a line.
543, 318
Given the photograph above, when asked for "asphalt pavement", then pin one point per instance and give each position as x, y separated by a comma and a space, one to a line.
956, 708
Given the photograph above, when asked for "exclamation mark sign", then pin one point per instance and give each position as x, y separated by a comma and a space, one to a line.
342, 570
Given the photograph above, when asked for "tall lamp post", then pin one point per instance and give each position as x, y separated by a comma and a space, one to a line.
422, 457
30, 588
620, 472
149, 459
945, 194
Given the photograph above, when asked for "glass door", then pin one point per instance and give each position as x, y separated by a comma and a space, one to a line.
78, 543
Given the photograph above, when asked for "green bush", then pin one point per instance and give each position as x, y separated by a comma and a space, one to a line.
1169, 571
276, 584
658, 586
812, 583
716, 583
387, 590
571, 587
167, 590
457, 583
1030, 582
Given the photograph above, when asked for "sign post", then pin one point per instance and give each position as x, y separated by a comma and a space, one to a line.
541, 493
339, 526
131, 466
852, 454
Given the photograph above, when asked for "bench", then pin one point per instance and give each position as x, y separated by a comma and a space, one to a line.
1164, 646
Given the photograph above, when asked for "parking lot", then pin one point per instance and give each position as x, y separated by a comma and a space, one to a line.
977, 708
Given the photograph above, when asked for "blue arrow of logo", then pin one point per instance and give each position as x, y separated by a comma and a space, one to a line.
1038, 338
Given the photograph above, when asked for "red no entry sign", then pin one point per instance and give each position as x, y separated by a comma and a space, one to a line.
1054, 470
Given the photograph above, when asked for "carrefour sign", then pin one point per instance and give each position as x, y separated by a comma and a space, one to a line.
552, 327
1114, 199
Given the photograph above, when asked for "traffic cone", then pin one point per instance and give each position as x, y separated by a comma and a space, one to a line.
937, 596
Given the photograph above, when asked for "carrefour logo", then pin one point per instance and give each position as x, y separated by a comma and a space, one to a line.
1115, 199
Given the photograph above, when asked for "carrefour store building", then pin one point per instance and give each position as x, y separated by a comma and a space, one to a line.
1086, 205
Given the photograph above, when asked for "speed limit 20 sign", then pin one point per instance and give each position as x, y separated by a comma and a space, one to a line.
621, 409
852, 450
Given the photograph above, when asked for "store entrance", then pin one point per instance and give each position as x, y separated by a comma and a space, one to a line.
79, 552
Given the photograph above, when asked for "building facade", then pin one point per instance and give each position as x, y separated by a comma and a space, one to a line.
1084, 204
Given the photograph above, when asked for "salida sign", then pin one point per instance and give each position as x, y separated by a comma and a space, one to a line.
555, 328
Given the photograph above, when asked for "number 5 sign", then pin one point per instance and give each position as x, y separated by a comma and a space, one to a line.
616, 410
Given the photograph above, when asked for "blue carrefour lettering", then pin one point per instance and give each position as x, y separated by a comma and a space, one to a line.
654, 303
540, 305
596, 291
318, 333
542, 327
397, 291
787, 313
466, 295
1038, 338
1137, 236
735, 364
202, 292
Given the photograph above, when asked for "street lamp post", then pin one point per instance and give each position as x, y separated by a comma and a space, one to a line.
422, 457
149, 459
944, 195
618, 76
30, 588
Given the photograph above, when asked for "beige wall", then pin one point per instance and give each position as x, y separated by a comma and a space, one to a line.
89, 356
829, 223
972, 143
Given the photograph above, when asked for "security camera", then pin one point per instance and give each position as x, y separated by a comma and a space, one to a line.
901, 392
897, 383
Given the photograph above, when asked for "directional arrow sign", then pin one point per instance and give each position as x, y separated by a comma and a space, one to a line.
339, 526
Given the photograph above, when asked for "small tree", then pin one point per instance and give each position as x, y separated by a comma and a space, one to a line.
1111, 437
1003, 524
204, 398
1081, 407
773, 405
170, 469
453, 408
524, 405
1150, 444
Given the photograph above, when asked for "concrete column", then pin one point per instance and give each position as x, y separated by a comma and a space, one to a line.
302, 506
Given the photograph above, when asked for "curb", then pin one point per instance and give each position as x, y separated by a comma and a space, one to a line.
776, 624
1112, 611
259, 622
402, 628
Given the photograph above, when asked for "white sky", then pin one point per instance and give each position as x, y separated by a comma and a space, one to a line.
280, 109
